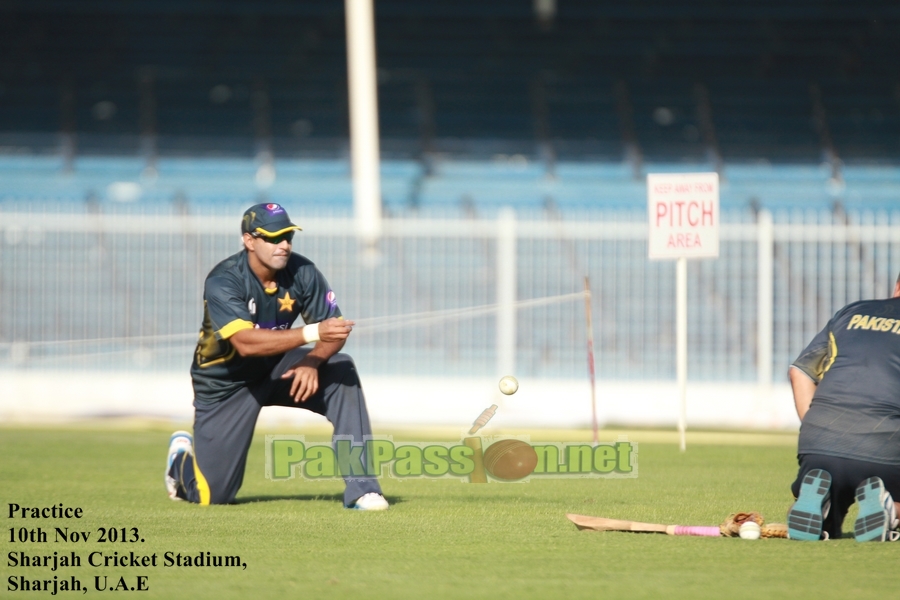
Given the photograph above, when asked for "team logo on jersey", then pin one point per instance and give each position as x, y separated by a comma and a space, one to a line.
274, 209
331, 299
251, 306
286, 304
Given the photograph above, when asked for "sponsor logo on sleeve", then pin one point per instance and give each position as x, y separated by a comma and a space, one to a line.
272, 325
331, 299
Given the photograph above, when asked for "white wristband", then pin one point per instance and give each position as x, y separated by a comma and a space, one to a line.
311, 333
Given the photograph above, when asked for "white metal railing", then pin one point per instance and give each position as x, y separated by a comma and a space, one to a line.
99, 291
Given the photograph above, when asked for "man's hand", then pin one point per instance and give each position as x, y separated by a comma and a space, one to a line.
332, 334
305, 384
306, 377
335, 330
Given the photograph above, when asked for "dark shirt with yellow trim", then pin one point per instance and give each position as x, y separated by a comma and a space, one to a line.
234, 299
855, 360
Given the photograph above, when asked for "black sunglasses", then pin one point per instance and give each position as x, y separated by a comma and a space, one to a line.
287, 236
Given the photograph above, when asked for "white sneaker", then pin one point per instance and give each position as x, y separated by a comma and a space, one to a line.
371, 501
181, 441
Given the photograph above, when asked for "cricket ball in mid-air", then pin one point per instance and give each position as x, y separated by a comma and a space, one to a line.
508, 385
749, 530
510, 459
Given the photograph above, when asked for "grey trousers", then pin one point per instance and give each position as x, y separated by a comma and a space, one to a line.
223, 430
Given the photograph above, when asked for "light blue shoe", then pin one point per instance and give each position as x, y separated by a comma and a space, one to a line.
809, 511
877, 518
180, 442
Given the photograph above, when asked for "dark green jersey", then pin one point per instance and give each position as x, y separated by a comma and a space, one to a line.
234, 299
855, 360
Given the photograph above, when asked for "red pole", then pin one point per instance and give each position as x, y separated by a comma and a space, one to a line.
590, 351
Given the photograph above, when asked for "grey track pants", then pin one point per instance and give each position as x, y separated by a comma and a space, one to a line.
223, 430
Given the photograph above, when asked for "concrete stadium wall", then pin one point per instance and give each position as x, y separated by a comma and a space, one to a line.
48, 396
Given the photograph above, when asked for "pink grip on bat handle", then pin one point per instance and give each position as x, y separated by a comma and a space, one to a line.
697, 530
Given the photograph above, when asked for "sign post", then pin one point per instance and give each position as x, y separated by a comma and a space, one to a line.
683, 212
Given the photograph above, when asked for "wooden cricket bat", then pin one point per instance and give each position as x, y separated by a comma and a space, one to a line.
603, 524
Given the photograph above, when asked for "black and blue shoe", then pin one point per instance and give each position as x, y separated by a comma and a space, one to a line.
805, 517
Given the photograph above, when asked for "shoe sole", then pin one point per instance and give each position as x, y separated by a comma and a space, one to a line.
872, 521
805, 516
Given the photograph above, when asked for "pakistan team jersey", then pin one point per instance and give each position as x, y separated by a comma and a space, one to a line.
234, 299
855, 360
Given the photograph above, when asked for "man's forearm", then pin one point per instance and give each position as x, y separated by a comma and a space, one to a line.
266, 342
330, 333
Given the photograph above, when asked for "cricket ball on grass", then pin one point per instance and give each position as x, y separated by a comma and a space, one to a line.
510, 459
750, 530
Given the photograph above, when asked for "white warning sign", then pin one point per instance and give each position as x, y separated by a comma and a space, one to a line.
683, 209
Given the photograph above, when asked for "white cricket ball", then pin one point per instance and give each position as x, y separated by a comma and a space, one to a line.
508, 385
750, 530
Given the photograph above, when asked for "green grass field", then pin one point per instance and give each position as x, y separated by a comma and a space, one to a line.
441, 538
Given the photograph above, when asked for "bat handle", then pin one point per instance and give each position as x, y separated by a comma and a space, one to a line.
696, 530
